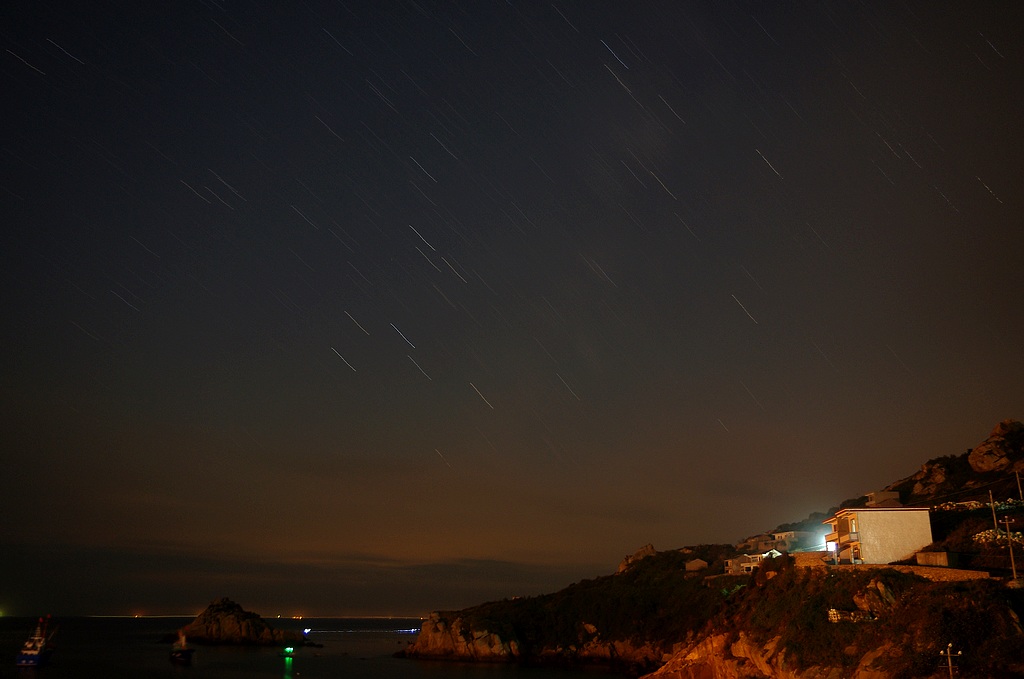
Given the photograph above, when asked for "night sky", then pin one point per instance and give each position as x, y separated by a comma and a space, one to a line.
353, 307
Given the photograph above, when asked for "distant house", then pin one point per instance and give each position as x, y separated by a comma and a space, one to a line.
878, 534
785, 541
760, 543
884, 498
791, 540
696, 565
746, 563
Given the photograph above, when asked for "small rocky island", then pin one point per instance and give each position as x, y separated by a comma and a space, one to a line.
226, 623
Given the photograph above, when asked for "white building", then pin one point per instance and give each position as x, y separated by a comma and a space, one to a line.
878, 534
747, 563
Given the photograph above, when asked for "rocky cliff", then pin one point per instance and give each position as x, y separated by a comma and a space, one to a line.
225, 622
450, 636
842, 624
1003, 449
987, 466
721, 656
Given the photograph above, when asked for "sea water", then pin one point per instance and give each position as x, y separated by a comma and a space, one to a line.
348, 648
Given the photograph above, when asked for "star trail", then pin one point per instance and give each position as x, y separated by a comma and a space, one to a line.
384, 307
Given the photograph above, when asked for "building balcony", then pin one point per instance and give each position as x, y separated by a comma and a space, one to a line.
843, 538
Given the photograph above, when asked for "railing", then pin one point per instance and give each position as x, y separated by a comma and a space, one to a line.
843, 538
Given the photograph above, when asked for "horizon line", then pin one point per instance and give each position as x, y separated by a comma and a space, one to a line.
277, 617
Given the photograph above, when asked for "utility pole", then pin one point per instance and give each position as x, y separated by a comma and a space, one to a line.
1009, 545
992, 504
1019, 491
949, 657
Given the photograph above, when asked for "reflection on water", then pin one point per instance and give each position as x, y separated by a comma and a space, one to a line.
109, 648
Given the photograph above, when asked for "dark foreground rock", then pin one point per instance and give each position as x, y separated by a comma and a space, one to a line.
225, 622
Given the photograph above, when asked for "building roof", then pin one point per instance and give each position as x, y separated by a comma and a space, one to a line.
859, 510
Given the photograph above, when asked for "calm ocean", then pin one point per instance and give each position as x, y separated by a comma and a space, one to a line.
353, 648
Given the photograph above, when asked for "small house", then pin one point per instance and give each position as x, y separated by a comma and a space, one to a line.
746, 563
884, 498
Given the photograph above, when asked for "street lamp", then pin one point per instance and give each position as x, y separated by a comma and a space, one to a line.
949, 657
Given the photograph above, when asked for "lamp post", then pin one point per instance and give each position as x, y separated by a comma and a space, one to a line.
949, 657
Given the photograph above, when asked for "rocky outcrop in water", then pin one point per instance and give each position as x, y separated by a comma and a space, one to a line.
225, 622
449, 636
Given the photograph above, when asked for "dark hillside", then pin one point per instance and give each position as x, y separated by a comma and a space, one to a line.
653, 601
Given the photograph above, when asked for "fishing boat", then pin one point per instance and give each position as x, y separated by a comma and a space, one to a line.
36, 649
181, 653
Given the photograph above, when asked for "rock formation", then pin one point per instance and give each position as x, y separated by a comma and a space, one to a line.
905, 622
448, 636
1001, 449
225, 622
642, 553
1000, 454
721, 657
930, 480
